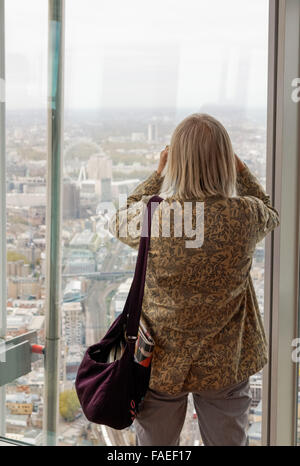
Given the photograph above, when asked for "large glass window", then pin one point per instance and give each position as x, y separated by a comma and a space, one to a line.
26, 153
133, 70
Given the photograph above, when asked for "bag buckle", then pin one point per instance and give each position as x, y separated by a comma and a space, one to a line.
131, 337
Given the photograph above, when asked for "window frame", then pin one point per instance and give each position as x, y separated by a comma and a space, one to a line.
2, 207
282, 246
282, 254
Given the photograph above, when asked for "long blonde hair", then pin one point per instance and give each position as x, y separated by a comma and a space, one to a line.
201, 160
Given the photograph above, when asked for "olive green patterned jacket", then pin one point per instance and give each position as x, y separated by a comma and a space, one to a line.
199, 303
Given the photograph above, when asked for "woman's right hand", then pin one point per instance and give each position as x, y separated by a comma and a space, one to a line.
239, 164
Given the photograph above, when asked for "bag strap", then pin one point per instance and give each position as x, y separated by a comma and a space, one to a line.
133, 306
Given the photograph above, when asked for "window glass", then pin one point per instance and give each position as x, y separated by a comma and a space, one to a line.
133, 71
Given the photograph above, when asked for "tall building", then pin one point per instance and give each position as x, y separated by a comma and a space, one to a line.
23, 288
121, 296
99, 166
71, 200
152, 132
72, 324
17, 269
106, 194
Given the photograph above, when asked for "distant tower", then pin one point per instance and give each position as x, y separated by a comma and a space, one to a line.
71, 199
99, 166
152, 132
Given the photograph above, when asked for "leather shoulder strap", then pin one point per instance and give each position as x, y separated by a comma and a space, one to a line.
133, 306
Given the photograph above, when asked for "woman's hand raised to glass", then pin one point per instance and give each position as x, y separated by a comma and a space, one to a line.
239, 164
163, 160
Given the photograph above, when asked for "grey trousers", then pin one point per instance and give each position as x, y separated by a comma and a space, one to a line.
222, 416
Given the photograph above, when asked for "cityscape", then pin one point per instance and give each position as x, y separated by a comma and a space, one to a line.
106, 153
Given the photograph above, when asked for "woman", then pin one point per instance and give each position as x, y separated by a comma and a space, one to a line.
199, 302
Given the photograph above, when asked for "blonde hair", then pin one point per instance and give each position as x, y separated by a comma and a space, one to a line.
201, 160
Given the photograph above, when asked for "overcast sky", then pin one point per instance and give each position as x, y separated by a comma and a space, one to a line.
138, 53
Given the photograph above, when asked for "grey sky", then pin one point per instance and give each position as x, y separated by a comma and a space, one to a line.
140, 53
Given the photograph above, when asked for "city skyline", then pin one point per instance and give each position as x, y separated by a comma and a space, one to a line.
132, 72
104, 158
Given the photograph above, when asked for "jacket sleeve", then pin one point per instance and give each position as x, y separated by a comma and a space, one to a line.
263, 216
126, 223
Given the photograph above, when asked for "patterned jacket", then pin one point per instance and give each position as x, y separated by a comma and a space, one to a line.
199, 303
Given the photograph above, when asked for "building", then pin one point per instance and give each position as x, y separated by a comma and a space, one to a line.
99, 171
17, 269
121, 296
79, 261
152, 132
254, 431
33, 437
26, 199
71, 200
72, 291
106, 193
88, 189
124, 186
23, 288
32, 253
73, 359
19, 408
73, 324
99, 166
17, 423
256, 389
137, 137
86, 239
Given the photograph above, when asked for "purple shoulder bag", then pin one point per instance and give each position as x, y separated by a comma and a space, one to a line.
110, 393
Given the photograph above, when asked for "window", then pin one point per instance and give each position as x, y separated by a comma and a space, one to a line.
132, 72
26, 162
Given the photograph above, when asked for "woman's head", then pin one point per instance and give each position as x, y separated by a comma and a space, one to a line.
201, 160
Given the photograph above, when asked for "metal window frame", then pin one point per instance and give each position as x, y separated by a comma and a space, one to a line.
282, 247
2, 207
56, 29
4, 441
56, 32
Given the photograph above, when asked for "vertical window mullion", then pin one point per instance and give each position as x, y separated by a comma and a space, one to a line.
54, 217
282, 376
2, 208
270, 185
